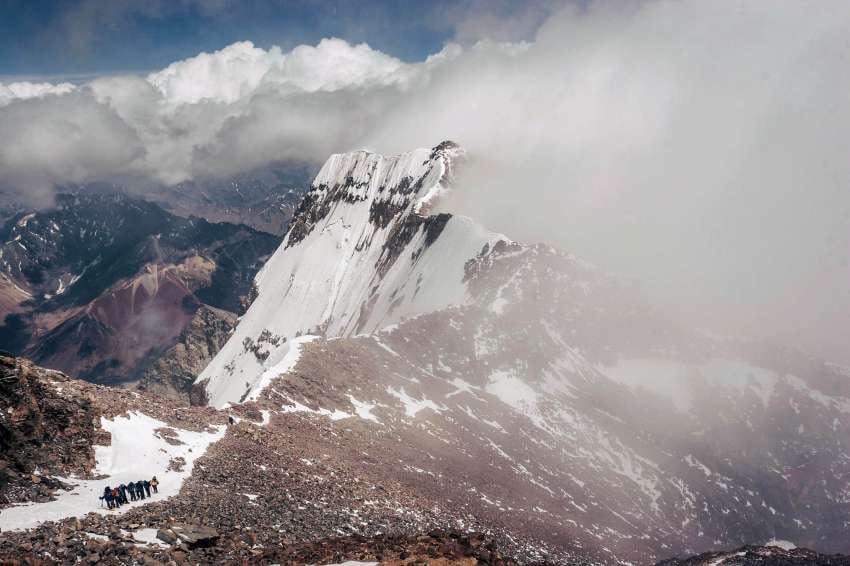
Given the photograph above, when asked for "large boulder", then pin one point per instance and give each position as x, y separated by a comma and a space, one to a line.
192, 536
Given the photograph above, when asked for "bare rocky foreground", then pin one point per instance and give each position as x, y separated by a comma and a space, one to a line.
295, 489
285, 485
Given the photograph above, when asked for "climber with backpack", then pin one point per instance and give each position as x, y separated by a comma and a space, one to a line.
107, 496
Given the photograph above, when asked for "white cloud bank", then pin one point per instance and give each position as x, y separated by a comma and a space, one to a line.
214, 114
24, 90
700, 146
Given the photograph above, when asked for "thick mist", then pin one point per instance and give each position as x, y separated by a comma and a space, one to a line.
699, 147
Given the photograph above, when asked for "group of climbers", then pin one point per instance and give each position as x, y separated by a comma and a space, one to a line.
115, 497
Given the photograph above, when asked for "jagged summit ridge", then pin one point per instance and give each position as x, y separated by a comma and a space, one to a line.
392, 186
362, 173
362, 253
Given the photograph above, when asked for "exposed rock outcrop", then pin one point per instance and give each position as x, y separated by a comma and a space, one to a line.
47, 428
188, 536
174, 372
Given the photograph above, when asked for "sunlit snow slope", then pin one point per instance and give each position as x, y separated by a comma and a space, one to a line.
362, 253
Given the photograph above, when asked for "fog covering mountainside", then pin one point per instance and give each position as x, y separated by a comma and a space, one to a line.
528, 388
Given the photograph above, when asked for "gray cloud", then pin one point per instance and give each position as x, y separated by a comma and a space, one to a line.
697, 146
60, 139
693, 146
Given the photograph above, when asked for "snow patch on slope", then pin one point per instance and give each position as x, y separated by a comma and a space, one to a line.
364, 409
516, 393
841, 404
136, 453
411, 405
783, 544
247, 386
296, 407
679, 382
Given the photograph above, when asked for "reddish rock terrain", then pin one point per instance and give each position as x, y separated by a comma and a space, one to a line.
278, 488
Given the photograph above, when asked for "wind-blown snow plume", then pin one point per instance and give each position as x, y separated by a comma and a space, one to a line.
656, 138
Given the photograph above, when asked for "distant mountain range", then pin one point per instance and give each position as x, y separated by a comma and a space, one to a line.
103, 283
263, 199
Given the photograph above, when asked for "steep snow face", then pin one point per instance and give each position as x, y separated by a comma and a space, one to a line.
243, 387
362, 253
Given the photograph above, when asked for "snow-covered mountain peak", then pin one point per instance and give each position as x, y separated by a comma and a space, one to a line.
361, 173
362, 253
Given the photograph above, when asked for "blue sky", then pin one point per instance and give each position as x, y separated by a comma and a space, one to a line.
56, 37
